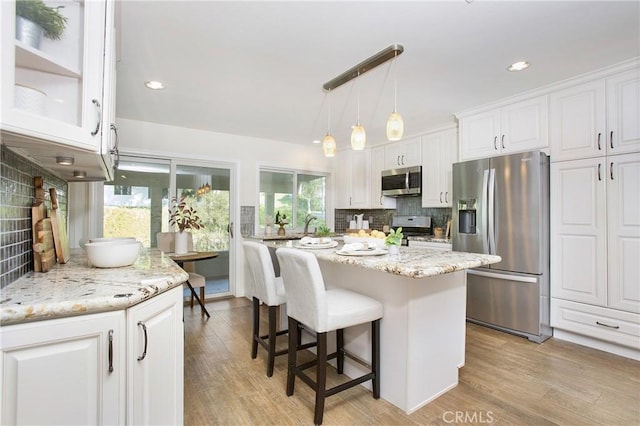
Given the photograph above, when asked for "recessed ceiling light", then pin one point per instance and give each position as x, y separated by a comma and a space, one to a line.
154, 85
518, 66
79, 174
64, 161
315, 141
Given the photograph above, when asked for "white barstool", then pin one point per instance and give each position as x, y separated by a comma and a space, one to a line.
265, 287
322, 311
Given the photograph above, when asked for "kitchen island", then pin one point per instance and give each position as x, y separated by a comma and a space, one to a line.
94, 346
422, 331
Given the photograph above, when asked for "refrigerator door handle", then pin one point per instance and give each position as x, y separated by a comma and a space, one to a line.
483, 219
492, 207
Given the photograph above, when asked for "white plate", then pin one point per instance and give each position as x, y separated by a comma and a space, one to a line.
317, 246
369, 252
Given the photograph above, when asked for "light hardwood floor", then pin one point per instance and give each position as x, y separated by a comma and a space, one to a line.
506, 380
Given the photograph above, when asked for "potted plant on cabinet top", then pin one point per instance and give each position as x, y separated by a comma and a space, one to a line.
394, 240
185, 218
34, 19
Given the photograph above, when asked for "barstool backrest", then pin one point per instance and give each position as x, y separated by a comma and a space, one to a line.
263, 285
304, 287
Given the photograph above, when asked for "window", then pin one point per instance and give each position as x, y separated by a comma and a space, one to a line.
293, 194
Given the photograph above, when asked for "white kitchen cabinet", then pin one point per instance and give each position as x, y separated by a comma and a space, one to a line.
56, 92
518, 127
595, 232
353, 179
596, 118
378, 201
64, 371
439, 152
404, 153
155, 359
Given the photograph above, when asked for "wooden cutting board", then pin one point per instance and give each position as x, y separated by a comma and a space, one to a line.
59, 229
38, 212
43, 244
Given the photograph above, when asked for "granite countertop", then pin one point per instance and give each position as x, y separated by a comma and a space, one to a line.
429, 239
75, 288
410, 262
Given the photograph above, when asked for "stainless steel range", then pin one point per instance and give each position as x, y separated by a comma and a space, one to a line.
412, 226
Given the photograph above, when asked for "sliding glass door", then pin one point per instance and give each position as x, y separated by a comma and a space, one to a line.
136, 203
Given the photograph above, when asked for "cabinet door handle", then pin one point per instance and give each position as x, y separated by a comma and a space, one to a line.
611, 139
446, 197
502, 141
381, 200
615, 327
398, 160
144, 352
115, 151
495, 143
599, 174
110, 351
230, 229
440, 196
97, 104
599, 147
403, 159
611, 170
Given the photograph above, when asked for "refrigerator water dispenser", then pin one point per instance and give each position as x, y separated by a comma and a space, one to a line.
467, 216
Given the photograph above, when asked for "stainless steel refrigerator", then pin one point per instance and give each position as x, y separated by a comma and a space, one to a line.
501, 206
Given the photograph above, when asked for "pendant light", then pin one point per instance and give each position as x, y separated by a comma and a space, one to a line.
329, 143
358, 135
395, 124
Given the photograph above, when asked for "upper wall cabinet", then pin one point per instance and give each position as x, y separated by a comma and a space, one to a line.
596, 118
405, 153
439, 152
353, 179
521, 126
52, 90
378, 164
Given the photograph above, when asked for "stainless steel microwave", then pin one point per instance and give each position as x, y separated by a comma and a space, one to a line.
401, 182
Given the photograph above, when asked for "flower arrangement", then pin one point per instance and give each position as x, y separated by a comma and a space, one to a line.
52, 22
281, 219
322, 230
183, 216
394, 238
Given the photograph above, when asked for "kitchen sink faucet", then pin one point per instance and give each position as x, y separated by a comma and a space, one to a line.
307, 221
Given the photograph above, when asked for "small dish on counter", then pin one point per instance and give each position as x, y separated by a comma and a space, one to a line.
372, 251
114, 253
316, 243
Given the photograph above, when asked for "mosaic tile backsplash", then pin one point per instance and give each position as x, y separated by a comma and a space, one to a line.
16, 196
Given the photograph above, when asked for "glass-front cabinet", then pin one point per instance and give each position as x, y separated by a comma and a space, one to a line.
53, 71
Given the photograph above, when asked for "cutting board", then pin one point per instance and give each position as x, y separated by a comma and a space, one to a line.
43, 244
59, 229
38, 212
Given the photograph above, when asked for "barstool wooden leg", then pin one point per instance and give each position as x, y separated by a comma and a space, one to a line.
256, 328
375, 357
321, 377
201, 299
291, 357
272, 340
340, 349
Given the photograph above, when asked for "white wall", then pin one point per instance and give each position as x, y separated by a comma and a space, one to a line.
138, 137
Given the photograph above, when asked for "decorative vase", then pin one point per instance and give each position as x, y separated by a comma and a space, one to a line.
29, 32
267, 230
181, 242
281, 230
393, 249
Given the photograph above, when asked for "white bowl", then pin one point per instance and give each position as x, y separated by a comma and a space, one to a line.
112, 239
112, 254
371, 241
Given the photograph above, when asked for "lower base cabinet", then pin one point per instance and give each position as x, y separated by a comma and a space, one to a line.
85, 369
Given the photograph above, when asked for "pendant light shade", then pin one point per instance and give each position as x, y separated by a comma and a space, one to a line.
329, 146
358, 137
395, 127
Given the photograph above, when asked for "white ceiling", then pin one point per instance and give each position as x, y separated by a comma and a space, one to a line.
257, 68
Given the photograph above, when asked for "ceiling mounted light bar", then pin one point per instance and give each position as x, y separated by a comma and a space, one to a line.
368, 64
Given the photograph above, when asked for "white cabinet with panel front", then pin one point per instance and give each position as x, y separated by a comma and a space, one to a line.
404, 153
596, 118
64, 371
595, 236
54, 91
353, 179
378, 201
155, 359
439, 152
518, 127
